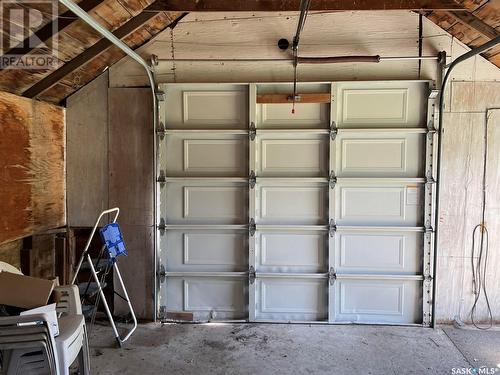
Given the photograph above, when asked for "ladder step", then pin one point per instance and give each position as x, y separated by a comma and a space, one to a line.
88, 310
100, 265
92, 288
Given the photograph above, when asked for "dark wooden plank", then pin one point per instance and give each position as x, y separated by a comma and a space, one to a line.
294, 5
87, 55
46, 32
288, 98
88, 71
38, 256
10, 252
476, 24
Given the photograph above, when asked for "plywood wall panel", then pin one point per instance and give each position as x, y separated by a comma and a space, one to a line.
87, 150
461, 201
32, 167
131, 189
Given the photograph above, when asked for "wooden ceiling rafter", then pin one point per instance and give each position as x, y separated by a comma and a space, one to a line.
294, 5
134, 25
474, 26
47, 31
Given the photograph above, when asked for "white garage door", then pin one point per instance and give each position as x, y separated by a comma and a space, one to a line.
324, 215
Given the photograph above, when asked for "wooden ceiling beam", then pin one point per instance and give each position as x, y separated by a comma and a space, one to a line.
475, 23
47, 31
90, 53
294, 5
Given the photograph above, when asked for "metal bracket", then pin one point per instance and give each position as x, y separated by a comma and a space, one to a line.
332, 180
332, 228
252, 227
251, 274
252, 132
429, 229
162, 226
161, 273
160, 130
332, 275
153, 60
162, 179
430, 127
162, 312
333, 131
433, 94
252, 180
161, 96
429, 180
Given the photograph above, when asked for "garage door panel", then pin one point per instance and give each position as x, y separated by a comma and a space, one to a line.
364, 301
291, 204
291, 299
217, 156
381, 104
205, 250
281, 156
307, 115
378, 251
208, 297
205, 203
206, 106
285, 251
379, 203
367, 154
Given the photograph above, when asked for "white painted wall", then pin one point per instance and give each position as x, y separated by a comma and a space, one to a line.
395, 33
247, 35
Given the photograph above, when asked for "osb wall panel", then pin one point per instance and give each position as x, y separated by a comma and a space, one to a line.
471, 107
32, 167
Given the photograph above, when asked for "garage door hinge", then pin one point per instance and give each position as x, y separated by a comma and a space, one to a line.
332, 275
252, 227
252, 131
160, 130
429, 180
332, 180
333, 131
429, 229
332, 228
433, 94
430, 127
162, 226
162, 312
251, 274
161, 273
252, 180
161, 96
161, 177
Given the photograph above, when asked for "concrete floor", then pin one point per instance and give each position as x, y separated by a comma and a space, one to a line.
293, 349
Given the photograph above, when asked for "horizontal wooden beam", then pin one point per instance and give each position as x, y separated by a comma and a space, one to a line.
91, 52
475, 23
294, 5
320, 97
48, 31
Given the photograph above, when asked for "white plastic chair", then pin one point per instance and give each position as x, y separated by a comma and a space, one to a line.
32, 348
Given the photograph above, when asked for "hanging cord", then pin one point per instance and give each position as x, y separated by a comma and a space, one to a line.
479, 268
304, 10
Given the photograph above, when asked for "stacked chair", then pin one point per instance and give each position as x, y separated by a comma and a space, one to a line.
28, 346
